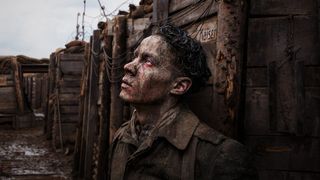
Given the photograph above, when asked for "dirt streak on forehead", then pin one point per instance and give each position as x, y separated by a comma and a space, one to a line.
156, 46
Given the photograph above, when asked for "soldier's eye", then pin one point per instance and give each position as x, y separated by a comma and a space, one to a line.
148, 61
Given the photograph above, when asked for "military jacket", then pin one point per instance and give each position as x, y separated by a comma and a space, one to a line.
185, 148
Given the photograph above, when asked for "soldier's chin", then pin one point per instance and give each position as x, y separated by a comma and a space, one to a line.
124, 96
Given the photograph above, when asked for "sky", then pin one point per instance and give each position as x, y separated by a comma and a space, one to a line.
36, 28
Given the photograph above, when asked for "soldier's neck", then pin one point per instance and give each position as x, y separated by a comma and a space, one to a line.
151, 113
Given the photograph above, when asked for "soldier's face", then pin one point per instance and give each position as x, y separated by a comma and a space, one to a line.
149, 76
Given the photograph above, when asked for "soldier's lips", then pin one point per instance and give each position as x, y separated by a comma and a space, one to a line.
125, 84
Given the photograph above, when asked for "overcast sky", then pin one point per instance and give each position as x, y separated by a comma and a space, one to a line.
38, 27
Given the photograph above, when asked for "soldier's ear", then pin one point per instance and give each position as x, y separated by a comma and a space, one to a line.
181, 85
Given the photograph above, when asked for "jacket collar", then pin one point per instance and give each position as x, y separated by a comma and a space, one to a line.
177, 131
180, 131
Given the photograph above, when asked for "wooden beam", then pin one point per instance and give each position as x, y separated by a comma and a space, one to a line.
92, 104
118, 59
34, 68
229, 60
18, 85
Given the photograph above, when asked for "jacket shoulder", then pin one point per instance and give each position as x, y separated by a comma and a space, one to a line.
119, 133
206, 133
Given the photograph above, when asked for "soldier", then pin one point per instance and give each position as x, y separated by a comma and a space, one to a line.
164, 139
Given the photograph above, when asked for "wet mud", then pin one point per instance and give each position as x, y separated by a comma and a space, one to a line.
26, 154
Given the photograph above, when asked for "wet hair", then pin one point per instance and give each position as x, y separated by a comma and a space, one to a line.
190, 58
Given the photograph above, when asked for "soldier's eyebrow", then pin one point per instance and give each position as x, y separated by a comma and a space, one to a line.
154, 59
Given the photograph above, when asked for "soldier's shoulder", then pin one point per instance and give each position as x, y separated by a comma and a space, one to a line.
214, 137
205, 133
119, 133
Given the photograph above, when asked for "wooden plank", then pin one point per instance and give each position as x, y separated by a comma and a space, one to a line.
69, 109
8, 103
227, 74
194, 13
176, 5
258, 76
69, 99
71, 57
160, 12
71, 66
104, 112
312, 76
283, 7
206, 33
285, 175
275, 33
257, 112
287, 153
273, 96
267, 40
70, 90
306, 39
18, 84
137, 25
118, 58
92, 105
67, 83
70, 118
311, 122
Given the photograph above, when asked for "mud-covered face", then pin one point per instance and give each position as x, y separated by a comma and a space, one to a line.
149, 76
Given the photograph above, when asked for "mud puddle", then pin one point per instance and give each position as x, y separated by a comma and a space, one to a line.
26, 154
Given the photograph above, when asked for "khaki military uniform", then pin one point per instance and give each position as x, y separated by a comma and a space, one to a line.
181, 148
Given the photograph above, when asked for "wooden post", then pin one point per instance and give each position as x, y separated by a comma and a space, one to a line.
16, 77
92, 104
160, 12
229, 62
104, 109
80, 139
118, 60
49, 108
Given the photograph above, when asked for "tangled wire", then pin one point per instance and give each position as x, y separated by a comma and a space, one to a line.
190, 57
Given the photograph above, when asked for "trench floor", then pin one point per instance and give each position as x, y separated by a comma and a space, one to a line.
27, 155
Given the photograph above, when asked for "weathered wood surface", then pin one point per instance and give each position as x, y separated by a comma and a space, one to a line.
282, 119
283, 7
18, 84
104, 110
92, 105
286, 153
118, 59
257, 112
194, 13
8, 102
72, 66
229, 61
206, 33
285, 175
274, 34
160, 12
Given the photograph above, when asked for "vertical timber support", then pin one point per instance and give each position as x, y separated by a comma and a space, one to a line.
79, 153
18, 88
160, 12
104, 108
92, 105
118, 59
228, 65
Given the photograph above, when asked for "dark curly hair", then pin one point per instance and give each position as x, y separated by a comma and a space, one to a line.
190, 57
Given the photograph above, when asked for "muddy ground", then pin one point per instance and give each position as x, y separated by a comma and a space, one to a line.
26, 154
